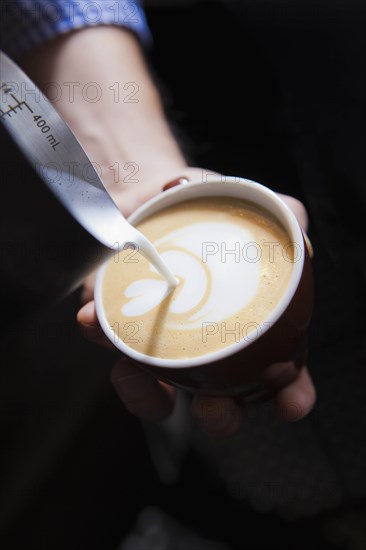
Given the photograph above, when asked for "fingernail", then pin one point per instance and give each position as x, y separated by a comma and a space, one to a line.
87, 312
292, 412
178, 181
309, 246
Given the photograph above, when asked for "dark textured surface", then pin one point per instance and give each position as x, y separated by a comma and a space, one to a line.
75, 468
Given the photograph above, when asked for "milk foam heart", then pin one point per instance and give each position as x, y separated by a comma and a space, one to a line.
215, 286
223, 293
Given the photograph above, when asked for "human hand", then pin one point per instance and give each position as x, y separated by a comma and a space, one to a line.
153, 400
119, 134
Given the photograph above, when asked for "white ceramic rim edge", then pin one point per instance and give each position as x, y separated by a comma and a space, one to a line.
296, 237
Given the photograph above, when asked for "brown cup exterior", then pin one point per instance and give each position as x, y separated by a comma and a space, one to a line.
254, 369
262, 367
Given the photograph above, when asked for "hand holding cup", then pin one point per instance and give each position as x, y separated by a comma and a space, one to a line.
271, 361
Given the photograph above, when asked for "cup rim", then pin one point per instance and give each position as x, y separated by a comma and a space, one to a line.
232, 349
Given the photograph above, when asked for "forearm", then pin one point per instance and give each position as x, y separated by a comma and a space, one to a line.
112, 129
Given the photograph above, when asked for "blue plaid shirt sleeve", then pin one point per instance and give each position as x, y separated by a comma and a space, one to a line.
27, 24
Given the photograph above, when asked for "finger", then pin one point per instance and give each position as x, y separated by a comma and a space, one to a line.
297, 399
87, 294
302, 217
141, 394
218, 416
90, 327
298, 209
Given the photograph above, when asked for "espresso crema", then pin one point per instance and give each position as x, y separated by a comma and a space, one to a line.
233, 262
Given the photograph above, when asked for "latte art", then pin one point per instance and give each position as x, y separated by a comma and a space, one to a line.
199, 294
203, 243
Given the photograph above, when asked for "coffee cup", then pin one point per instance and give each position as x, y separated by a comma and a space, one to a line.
252, 350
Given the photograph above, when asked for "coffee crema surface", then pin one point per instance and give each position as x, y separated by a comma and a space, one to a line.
233, 261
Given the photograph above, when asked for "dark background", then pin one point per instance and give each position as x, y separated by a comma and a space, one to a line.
271, 91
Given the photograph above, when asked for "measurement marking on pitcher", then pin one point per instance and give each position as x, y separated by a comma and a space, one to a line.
12, 108
40, 122
45, 129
